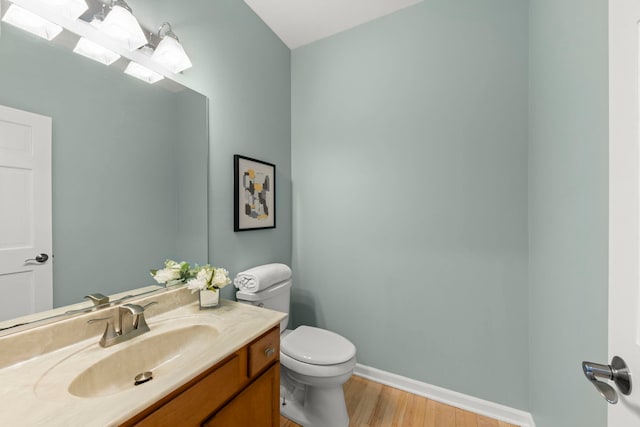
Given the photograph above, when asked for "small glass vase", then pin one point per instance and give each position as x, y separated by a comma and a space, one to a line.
209, 299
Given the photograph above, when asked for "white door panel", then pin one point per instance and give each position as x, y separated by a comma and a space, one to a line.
25, 213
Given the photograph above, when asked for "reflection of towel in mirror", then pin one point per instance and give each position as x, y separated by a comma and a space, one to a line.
261, 277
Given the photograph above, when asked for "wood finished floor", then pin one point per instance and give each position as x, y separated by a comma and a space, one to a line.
371, 404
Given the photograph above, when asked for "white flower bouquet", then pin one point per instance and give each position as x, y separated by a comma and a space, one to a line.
209, 278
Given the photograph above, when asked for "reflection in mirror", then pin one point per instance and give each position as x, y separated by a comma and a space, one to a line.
129, 165
22, 323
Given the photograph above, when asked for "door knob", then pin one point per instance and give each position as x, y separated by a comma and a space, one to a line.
617, 371
42, 258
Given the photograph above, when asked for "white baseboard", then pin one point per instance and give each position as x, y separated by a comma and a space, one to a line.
448, 397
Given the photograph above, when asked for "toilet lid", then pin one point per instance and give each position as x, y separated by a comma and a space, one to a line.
317, 346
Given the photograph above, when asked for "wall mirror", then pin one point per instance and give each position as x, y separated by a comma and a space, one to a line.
129, 167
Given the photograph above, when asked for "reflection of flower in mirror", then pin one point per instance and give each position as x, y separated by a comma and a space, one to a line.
196, 278
173, 273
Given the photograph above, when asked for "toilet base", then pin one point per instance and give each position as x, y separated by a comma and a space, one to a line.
313, 406
292, 410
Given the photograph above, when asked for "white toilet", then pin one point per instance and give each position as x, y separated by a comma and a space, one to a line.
315, 364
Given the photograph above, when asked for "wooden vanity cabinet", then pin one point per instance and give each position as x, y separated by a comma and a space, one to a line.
256, 406
242, 390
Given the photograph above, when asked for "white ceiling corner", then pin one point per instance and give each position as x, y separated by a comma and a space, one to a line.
300, 22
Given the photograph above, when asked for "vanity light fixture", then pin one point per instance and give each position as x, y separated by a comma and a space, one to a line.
72, 9
143, 73
31, 22
169, 51
123, 26
165, 56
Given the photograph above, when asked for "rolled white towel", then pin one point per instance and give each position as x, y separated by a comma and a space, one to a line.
262, 277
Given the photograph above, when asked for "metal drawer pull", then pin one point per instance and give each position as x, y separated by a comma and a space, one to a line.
617, 371
269, 351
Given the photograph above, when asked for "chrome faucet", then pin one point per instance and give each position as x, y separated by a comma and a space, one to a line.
131, 323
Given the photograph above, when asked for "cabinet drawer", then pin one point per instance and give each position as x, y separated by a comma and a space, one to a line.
201, 399
264, 351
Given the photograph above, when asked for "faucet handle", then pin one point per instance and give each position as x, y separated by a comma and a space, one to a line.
100, 319
137, 311
110, 332
149, 304
141, 322
134, 309
97, 298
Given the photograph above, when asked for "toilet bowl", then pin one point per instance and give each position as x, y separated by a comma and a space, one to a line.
315, 363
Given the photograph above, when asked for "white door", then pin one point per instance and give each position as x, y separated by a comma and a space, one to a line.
26, 281
624, 203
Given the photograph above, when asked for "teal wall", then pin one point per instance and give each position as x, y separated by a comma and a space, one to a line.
115, 142
244, 70
450, 185
409, 150
568, 204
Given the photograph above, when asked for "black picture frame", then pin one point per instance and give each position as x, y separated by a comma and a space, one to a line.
254, 194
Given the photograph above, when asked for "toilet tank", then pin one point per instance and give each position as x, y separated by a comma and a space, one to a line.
276, 297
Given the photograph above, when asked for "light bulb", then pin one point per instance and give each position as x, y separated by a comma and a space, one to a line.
89, 49
171, 54
143, 73
31, 22
121, 25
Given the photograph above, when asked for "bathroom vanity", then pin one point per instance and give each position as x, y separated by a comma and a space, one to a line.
215, 367
242, 390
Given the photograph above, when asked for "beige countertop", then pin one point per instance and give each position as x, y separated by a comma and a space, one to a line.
34, 391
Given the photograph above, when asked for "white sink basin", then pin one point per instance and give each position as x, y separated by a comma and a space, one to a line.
96, 372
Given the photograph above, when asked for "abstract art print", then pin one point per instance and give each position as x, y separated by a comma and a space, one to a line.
254, 194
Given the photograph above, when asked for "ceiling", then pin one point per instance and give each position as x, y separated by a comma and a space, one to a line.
300, 22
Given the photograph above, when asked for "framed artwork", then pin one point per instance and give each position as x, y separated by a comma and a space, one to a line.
254, 194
